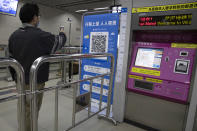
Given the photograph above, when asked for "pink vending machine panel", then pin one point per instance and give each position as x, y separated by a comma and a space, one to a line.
161, 70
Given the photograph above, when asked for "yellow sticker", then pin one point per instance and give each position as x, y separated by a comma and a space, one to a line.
183, 45
136, 77
154, 80
145, 71
165, 8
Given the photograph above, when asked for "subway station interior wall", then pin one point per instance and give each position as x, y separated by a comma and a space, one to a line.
147, 3
50, 21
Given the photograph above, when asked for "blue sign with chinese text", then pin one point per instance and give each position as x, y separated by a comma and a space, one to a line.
100, 35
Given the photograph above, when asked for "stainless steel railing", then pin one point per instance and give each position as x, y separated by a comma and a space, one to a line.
58, 58
20, 84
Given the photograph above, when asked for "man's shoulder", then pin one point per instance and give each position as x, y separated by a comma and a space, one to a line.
16, 32
42, 33
30, 31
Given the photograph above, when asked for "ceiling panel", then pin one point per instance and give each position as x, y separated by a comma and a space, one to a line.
73, 5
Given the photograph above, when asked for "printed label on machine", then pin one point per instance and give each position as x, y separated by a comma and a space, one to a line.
183, 45
147, 79
154, 80
136, 77
145, 71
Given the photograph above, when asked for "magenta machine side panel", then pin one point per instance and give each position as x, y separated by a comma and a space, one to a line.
161, 70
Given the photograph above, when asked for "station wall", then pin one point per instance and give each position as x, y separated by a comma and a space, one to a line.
50, 21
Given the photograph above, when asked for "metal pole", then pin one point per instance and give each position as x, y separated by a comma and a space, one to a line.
70, 65
33, 85
70, 70
64, 71
63, 68
69, 31
20, 88
74, 106
56, 110
110, 87
101, 94
89, 108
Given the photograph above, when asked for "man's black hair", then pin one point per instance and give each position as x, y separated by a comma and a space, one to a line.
28, 11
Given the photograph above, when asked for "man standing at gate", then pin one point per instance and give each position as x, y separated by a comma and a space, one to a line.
28, 43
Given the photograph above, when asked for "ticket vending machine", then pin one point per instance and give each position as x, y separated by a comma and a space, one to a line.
162, 69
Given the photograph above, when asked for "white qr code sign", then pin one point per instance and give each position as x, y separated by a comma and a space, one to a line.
99, 42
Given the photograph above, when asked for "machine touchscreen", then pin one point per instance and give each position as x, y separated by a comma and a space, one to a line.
149, 57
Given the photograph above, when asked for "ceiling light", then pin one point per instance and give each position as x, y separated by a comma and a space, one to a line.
81, 10
103, 8
116, 9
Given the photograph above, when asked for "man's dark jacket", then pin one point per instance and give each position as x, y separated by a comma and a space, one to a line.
27, 44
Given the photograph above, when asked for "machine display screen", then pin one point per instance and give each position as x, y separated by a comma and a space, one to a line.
166, 20
149, 57
8, 7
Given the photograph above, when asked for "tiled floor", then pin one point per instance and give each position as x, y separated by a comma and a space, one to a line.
8, 115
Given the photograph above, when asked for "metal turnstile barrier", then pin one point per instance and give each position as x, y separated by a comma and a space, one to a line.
58, 58
20, 84
4, 72
70, 64
71, 50
66, 69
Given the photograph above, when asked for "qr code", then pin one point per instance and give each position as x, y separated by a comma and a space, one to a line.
98, 42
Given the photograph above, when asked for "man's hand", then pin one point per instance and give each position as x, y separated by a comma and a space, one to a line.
62, 29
